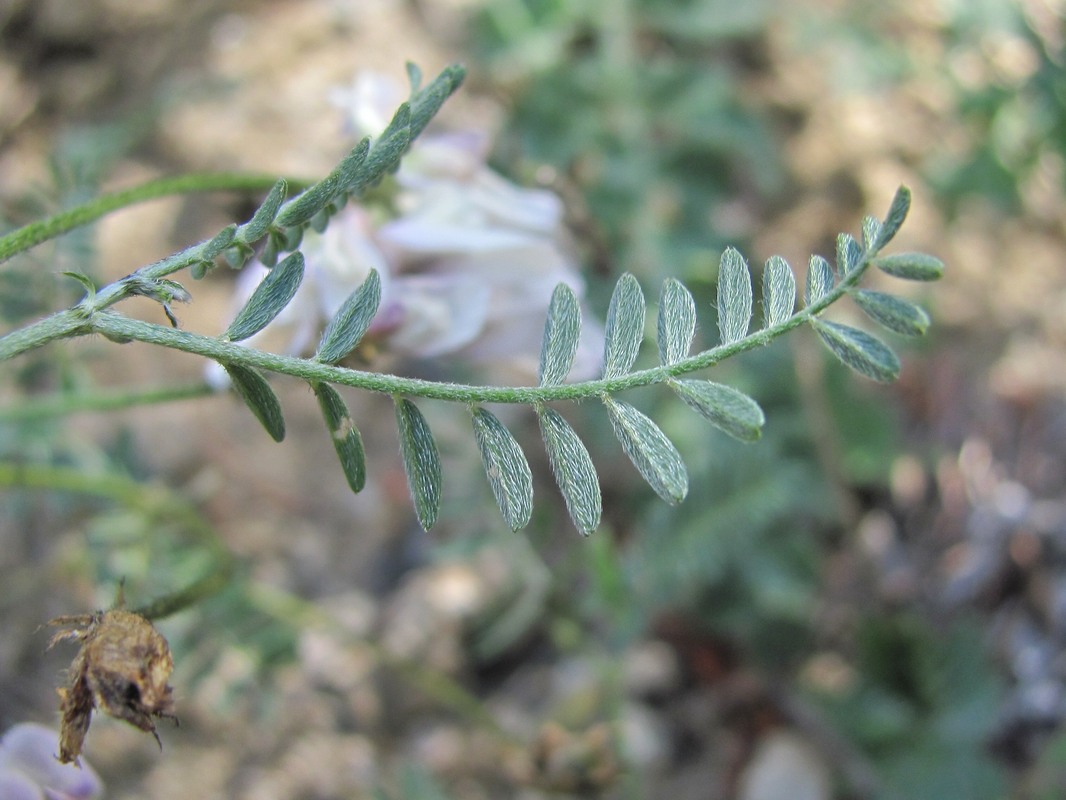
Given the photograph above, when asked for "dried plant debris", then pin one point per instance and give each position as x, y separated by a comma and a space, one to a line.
122, 668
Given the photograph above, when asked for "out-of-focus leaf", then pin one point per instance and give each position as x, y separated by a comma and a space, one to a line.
351, 321
897, 212
778, 290
858, 350
894, 313
654, 456
421, 461
911, 266
573, 470
269, 298
259, 397
506, 468
562, 331
677, 322
624, 328
727, 408
871, 230
346, 439
734, 296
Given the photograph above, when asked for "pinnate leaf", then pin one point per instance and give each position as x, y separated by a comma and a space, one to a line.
346, 439
573, 470
256, 228
506, 468
897, 212
894, 313
858, 350
562, 330
727, 408
301, 208
819, 279
778, 291
351, 321
654, 455
259, 397
849, 253
625, 327
911, 266
677, 321
421, 461
272, 294
871, 230
734, 296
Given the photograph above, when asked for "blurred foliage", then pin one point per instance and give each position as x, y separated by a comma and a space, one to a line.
641, 106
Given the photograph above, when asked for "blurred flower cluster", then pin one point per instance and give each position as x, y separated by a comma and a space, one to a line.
468, 260
29, 769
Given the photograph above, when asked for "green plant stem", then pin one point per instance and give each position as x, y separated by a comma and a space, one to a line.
61, 404
120, 328
35, 233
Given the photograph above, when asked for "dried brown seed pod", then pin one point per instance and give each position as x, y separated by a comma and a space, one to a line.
122, 668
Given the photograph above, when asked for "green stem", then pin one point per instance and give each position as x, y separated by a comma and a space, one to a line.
61, 404
35, 233
72, 322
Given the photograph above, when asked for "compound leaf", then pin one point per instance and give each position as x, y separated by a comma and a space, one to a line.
573, 470
819, 279
911, 266
734, 296
256, 228
562, 330
858, 350
654, 455
625, 327
421, 461
346, 439
506, 468
849, 253
351, 321
727, 408
269, 298
897, 212
778, 291
259, 397
677, 322
894, 313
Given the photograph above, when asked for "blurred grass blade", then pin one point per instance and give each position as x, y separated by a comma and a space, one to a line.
654, 455
573, 470
624, 328
727, 408
860, 351
268, 300
778, 291
256, 228
677, 321
562, 331
897, 212
849, 253
819, 279
346, 439
259, 397
421, 461
351, 321
506, 468
911, 266
734, 296
894, 313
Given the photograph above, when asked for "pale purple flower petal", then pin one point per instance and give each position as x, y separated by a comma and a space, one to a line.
27, 757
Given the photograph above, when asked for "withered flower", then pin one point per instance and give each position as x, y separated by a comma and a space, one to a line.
122, 668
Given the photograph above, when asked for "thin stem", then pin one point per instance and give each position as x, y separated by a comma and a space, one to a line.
115, 326
61, 404
33, 234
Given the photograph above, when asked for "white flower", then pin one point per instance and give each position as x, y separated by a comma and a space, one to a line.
468, 265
